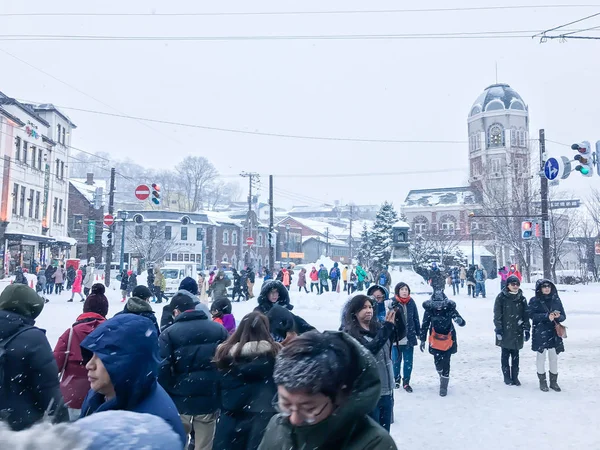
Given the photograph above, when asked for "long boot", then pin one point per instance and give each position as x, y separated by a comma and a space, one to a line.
444, 385
515, 373
506, 372
406, 385
543, 384
553, 382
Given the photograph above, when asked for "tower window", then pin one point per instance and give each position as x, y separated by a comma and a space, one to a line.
496, 136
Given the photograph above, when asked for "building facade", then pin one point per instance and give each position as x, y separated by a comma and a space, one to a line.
34, 186
86, 215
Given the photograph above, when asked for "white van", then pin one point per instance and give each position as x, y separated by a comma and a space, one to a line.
174, 273
114, 269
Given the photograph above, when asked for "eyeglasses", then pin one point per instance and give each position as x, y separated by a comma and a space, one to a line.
514, 284
379, 297
309, 415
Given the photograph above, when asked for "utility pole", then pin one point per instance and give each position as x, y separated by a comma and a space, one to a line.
350, 237
545, 215
271, 227
327, 244
251, 176
110, 241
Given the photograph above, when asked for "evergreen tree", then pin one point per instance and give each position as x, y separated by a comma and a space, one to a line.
381, 235
364, 251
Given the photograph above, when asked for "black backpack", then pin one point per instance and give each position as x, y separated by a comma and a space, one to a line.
3, 361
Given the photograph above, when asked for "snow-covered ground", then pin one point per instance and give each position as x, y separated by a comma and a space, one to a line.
480, 411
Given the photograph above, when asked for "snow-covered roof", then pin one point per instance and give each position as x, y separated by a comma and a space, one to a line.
480, 251
311, 209
401, 224
87, 190
498, 97
452, 196
51, 107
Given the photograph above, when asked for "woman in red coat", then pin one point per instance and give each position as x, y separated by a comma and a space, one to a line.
74, 384
76, 288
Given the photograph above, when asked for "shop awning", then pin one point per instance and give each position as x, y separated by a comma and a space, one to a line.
65, 240
14, 236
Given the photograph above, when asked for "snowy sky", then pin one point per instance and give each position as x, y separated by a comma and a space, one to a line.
407, 89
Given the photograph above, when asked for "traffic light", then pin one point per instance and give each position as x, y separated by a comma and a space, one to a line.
585, 158
527, 229
155, 194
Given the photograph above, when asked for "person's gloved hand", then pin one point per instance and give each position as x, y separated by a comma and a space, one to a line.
499, 335
422, 346
527, 335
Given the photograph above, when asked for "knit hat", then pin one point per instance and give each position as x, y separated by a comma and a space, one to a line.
96, 302
182, 302
513, 279
190, 285
399, 286
21, 299
142, 292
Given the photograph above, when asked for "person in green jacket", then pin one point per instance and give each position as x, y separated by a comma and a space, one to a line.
327, 384
361, 274
323, 279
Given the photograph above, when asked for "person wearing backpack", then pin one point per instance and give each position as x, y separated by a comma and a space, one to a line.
73, 375
480, 277
511, 322
334, 276
385, 279
29, 386
437, 322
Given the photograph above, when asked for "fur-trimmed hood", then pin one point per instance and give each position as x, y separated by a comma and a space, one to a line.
253, 348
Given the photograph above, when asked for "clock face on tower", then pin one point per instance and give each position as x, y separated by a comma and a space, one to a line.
495, 136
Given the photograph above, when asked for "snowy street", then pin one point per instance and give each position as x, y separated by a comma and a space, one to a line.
480, 411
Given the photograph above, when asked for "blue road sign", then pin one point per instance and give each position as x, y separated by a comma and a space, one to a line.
552, 169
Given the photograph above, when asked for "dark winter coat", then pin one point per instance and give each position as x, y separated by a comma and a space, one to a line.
471, 275
187, 349
142, 308
410, 322
20, 277
251, 276
511, 319
544, 335
75, 385
124, 281
150, 279
264, 305
455, 275
30, 374
219, 286
132, 282
437, 280
127, 345
334, 273
349, 428
439, 314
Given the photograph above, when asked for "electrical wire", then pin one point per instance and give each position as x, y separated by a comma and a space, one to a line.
570, 23
104, 38
293, 13
259, 133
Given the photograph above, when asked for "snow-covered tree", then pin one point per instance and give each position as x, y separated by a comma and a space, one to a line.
364, 251
381, 235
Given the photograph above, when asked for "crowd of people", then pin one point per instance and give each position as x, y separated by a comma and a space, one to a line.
266, 381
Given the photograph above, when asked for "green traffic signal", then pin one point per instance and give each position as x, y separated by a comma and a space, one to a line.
583, 169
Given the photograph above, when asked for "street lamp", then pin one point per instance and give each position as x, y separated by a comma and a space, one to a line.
122, 215
287, 243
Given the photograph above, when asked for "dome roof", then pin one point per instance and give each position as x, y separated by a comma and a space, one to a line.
498, 97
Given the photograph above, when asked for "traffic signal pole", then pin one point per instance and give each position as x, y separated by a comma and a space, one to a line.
545, 215
109, 246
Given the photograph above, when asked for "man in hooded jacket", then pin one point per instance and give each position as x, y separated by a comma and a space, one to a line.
28, 373
267, 299
139, 303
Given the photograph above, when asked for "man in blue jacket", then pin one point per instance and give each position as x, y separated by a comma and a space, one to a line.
122, 363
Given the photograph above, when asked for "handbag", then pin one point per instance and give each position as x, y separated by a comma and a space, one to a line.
67, 353
439, 341
559, 328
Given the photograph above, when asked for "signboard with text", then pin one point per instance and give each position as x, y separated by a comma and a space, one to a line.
91, 232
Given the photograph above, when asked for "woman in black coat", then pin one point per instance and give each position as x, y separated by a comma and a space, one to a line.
275, 293
246, 362
546, 310
437, 320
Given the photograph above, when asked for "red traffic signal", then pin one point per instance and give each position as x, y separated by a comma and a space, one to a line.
527, 229
155, 194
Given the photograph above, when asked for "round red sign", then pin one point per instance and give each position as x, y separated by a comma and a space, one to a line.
142, 192
108, 220
249, 241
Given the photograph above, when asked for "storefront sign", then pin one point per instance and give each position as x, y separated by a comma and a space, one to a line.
91, 232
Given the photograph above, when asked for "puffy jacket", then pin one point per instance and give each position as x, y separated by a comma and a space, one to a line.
59, 275
511, 319
264, 305
142, 308
127, 345
411, 327
314, 275
88, 281
360, 274
75, 384
219, 285
302, 278
30, 373
76, 288
439, 314
187, 349
544, 334
349, 428
323, 275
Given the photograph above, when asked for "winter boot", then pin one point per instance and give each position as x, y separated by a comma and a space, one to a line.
553, 382
543, 384
69, 301
397, 384
444, 386
506, 372
406, 385
515, 376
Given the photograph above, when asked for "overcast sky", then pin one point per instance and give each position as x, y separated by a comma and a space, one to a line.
402, 89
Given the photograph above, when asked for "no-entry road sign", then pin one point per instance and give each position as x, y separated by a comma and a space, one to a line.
249, 241
108, 220
142, 192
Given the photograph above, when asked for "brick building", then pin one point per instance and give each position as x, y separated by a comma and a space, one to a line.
85, 216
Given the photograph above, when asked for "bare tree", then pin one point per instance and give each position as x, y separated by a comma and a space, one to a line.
196, 174
441, 246
152, 244
219, 193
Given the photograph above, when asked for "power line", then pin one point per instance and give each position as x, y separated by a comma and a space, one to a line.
104, 38
544, 34
293, 13
260, 133
373, 174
